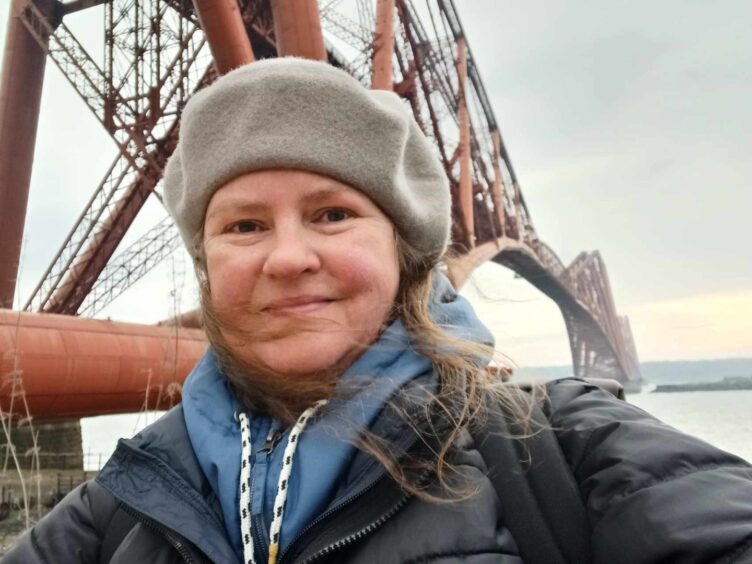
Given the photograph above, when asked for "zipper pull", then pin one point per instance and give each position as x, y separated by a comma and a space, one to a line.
272, 439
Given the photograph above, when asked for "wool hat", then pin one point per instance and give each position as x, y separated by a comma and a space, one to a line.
301, 114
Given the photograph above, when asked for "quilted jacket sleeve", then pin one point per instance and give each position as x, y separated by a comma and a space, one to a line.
71, 532
652, 493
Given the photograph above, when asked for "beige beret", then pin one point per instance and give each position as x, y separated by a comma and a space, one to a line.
301, 114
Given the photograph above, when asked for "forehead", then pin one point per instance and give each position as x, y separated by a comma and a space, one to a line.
265, 187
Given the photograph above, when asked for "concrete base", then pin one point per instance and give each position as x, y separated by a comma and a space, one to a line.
59, 445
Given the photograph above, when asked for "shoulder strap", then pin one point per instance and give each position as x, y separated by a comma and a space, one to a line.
120, 525
613, 387
540, 499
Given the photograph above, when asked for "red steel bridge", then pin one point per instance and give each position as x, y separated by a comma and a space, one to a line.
156, 54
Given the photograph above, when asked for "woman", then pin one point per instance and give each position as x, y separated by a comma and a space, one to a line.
333, 417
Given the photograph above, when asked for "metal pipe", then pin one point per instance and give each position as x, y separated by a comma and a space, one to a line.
518, 213
497, 193
225, 31
383, 52
77, 367
297, 29
421, 65
20, 98
83, 272
190, 319
466, 181
78, 5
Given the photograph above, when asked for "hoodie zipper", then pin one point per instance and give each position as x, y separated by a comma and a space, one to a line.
166, 532
273, 437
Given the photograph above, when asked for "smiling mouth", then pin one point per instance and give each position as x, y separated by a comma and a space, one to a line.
297, 306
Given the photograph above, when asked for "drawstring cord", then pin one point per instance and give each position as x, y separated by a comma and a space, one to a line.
245, 488
284, 477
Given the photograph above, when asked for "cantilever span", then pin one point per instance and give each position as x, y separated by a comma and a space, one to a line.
601, 341
417, 48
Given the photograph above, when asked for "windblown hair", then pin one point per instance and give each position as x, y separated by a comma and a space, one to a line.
461, 401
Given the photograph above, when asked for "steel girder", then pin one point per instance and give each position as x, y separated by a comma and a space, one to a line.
154, 62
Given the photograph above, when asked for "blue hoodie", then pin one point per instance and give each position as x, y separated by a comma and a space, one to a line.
326, 448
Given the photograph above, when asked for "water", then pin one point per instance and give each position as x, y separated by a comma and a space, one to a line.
723, 419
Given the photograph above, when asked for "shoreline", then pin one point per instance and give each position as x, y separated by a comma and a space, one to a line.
727, 384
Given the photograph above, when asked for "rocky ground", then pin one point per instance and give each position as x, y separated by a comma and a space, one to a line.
10, 529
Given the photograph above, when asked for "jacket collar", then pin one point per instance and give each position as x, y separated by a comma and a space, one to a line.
157, 474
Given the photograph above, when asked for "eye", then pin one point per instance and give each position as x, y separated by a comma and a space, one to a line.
245, 226
335, 215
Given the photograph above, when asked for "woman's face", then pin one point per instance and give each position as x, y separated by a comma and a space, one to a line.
303, 270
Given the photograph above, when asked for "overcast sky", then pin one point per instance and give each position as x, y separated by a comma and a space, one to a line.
629, 126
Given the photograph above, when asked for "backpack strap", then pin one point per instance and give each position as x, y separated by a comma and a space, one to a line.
610, 385
540, 499
613, 387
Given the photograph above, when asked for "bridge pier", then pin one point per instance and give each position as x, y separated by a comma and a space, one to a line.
591, 354
58, 443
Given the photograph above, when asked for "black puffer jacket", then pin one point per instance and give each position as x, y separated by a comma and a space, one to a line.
652, 495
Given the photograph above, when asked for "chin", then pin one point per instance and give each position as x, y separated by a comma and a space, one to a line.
302, 356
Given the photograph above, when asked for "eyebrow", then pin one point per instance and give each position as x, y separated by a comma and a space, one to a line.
322, 194
318, 195
237, 204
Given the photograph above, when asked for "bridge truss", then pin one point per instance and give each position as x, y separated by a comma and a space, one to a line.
156, 55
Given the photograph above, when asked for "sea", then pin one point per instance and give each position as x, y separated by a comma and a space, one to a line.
721, 418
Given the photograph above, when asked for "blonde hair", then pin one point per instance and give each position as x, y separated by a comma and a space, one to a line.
465, 389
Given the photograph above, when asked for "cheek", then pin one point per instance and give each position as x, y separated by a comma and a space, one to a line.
231, 278
357, 273
371, 276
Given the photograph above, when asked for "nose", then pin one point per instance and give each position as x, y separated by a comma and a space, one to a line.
292, 253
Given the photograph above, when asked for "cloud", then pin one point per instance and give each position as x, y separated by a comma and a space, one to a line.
529, 328
713, 325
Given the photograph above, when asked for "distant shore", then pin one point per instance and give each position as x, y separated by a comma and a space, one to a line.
728, 383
